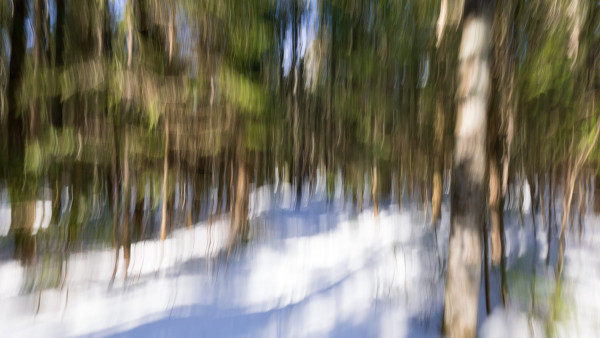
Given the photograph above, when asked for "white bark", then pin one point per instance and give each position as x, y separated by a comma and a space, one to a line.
468, 192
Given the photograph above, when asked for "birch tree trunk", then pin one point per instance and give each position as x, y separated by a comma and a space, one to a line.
468, 184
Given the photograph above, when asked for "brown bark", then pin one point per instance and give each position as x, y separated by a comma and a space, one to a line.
374, 192
171, 28
424, 197
220, 186
126, 237
22, 218
239, 219
400, 185
138, 217
359, 187
163, 221
438, 160
230, 198
353, 187
495, 196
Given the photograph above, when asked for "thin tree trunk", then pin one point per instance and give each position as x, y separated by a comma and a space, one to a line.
17, 56
230, 198
126, 237
57, 114
39, 43
533, 264
550, 216
163, 220
425, 197
374, 192
220, 185
138, 215
596, 188
521, 198
171, 28
542, 185
114, 197
353, 187
496, 198
438, 160
486, 267
400, 186
582, 207
361, 183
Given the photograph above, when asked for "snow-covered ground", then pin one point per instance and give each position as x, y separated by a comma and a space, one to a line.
321, 271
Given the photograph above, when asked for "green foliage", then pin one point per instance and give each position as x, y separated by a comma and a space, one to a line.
247, 96
548, 70
33, 157
256, 136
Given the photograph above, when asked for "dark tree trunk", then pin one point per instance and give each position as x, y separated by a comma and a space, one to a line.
22, 218
17, 56
374, 191
57, 114
486, 267
597, 194
22, 193
239, 218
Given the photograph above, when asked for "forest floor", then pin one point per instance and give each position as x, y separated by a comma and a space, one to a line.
320, 271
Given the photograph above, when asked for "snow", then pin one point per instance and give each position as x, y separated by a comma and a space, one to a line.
321, 271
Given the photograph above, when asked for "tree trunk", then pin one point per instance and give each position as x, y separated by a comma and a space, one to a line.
486, 267
361, 183
163, 220
126, 237
239, 219
400, 186
550, 213
222, 168
542, 195
17, 56
438, 160
597, 194
374, 192
230, 200
39, 43
463, 279
138, 216
21, 192
22, 218
496, 198
582, 205
57, 114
